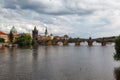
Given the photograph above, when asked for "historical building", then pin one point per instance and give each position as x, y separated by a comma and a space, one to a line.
46, 32
35, 33
14, 32
4, 36
47, 39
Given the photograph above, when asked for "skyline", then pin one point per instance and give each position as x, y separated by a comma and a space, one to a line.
76, 18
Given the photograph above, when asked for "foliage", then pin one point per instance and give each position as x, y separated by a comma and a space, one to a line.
117, 48
2, 40
11, 37
24, 40
117, 73
72, 40
8, 42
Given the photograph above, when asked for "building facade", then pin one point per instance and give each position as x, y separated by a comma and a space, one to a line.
4, 36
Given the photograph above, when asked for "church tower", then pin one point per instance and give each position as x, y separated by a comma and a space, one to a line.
46, 32
13, 30
35, 33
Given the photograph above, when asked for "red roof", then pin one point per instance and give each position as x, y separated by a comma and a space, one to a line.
2, 33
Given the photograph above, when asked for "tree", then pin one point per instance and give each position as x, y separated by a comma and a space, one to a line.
117, 48
24, 40
2, 40
11, 37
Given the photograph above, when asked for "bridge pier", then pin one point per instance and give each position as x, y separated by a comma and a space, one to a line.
103, 42
90, 41
77, 43
49, 42
65, 42
54, 42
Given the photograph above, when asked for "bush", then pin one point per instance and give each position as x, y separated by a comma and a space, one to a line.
2, 40
117, 48
24, 40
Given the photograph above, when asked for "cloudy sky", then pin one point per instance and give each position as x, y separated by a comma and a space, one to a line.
77, 18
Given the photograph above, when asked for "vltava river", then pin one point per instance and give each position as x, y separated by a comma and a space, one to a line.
59, 63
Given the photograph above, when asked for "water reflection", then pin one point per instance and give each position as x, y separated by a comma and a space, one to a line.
35, 52
117, 70
13, 58
117, 73
58, 63
117, 56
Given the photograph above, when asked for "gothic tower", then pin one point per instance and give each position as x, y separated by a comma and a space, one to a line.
35, 33
46, 32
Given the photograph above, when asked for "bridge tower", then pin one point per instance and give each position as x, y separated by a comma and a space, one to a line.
35, 35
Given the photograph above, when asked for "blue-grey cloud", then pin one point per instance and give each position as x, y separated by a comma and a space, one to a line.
50, 7
77, 18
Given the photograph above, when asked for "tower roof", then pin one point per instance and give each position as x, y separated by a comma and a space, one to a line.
13, 30
35, 28
46, 32
2, 33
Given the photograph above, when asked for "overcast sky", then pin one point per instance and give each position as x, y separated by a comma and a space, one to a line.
77, 18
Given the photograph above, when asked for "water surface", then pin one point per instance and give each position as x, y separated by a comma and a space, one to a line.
59, 63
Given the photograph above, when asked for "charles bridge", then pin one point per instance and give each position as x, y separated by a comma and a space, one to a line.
46, 40
77, 42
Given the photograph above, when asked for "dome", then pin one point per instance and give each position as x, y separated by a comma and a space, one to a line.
13, 30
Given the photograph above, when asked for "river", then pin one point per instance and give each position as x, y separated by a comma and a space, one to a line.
59, 63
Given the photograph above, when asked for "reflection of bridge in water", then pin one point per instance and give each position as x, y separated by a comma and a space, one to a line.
77, 42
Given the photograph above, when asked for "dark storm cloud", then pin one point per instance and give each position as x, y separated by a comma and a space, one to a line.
45, 8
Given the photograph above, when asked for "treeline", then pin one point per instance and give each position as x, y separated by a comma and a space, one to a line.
72, 40
108, 39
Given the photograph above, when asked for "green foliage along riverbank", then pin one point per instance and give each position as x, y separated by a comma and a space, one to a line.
24, 40
117, 48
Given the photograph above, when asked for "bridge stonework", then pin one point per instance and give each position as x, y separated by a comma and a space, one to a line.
65, 42
77, 43
90, 41
54, 42
103, 42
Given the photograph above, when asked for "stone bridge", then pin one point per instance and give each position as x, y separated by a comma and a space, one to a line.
90, 41
77, 42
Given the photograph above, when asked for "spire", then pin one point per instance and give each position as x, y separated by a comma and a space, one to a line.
46, 33
35, 28
35, 33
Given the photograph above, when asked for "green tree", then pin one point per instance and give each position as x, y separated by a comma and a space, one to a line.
24, 40
117, 48
2, 40
11, 37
